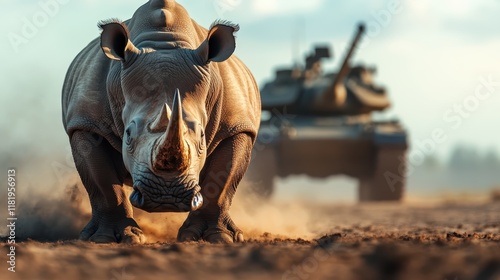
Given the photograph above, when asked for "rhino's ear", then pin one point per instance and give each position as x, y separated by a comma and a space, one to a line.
115, 41
220, 42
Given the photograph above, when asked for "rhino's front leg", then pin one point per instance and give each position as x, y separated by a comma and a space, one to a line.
102, 172
223, 171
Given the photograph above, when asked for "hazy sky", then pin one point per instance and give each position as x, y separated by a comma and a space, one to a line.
431, 55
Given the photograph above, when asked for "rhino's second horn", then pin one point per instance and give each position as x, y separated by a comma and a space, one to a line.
162, 120
171, 153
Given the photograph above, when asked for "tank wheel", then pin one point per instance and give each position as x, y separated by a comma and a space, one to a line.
259, 179
388, 180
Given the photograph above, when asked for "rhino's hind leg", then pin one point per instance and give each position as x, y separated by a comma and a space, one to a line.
102, 172
223, 171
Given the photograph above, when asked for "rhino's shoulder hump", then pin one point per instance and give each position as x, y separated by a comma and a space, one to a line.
165, 25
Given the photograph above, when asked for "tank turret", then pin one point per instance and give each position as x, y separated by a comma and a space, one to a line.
309, 91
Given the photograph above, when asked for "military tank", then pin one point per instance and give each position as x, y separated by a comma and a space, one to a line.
320, 124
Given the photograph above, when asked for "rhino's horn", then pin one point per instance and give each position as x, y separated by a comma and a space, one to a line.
171, 152
162, 120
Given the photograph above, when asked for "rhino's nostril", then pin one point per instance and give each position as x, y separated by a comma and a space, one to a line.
136, 198
196, 202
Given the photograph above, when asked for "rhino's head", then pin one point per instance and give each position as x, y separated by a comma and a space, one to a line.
164, 113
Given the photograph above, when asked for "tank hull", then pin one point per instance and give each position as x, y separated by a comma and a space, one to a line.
372, 152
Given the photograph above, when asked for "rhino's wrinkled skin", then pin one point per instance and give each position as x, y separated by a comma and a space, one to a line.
159, 103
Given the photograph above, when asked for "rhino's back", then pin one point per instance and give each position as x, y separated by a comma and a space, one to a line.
85, 102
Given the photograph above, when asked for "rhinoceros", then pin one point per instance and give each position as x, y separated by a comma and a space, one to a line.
161, 104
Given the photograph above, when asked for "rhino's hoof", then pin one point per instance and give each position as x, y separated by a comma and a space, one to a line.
239, 237
188, 235
132, 235
219, 237
127, 232
102, 239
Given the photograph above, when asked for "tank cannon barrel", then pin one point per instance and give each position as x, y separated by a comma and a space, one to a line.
335, 96
344, 69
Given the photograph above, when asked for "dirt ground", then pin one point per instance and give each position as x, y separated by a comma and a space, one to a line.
285, 240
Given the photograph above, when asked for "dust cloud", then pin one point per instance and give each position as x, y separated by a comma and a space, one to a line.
58, 211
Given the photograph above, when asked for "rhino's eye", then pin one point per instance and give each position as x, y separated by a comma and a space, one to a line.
128, 137
202, 132
200, 147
